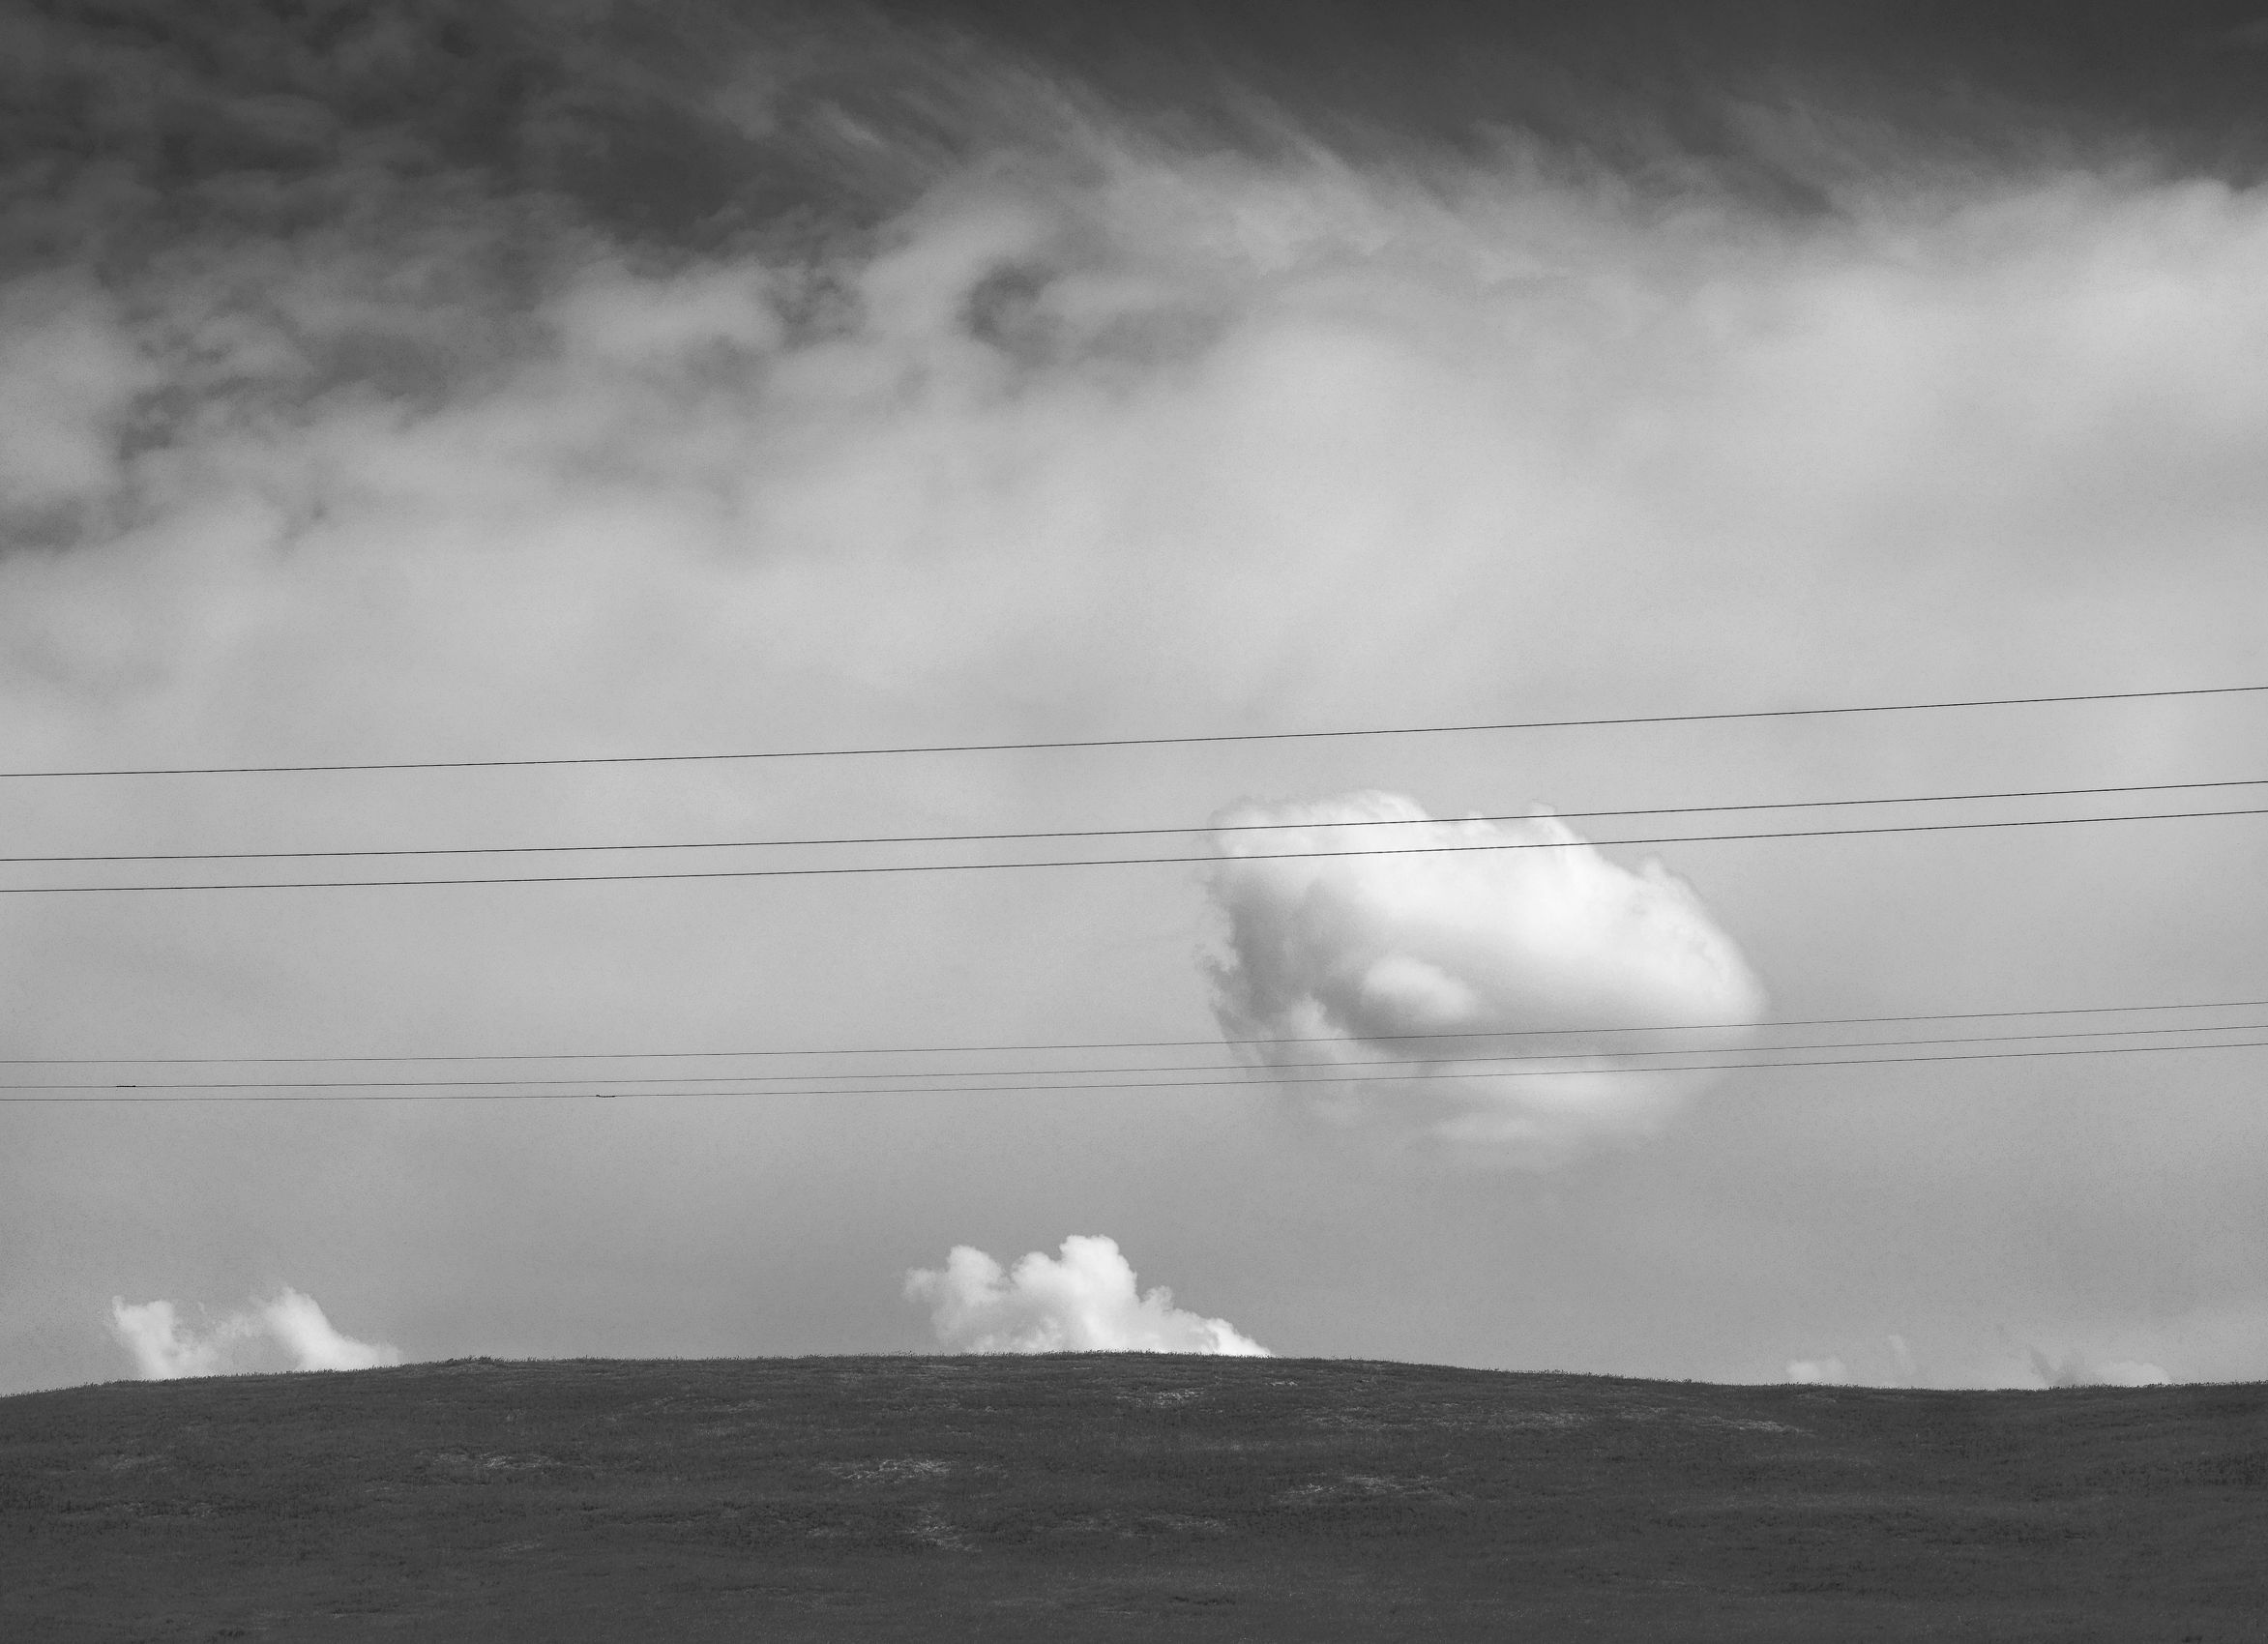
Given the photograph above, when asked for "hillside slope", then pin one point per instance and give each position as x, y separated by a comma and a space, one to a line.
1120, 1497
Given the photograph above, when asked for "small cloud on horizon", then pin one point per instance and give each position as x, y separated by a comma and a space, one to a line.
1905, 1371
2076, 1369
289, 1333
1083, 1301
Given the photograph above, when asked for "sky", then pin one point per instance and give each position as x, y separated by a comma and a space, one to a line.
437, 382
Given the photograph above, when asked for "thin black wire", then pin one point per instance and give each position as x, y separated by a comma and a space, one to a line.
1134, 1044
1129, 833
1257, 1078
1100, 862
1285, 1072
1135, 741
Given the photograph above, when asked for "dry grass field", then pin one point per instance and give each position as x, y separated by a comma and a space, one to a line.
1121, 1498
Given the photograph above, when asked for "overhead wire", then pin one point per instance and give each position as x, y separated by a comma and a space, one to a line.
842, 839
1049, 1045
1182, 741
424, 1088
1254, 1078
874, 869
1287, 1073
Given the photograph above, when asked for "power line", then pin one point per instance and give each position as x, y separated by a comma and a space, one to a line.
1101, 862
1290, 1074
1142, 1043
1257, 1078
1126, 833
875, 752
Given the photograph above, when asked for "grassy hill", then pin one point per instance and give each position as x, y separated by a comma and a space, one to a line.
1120, 1497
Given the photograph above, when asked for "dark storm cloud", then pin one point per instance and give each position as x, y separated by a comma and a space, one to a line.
1660, 87
693, 124
682, 125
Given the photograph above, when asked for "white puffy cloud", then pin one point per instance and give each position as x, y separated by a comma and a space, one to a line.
1083, 1301
1336, 959
289, 1333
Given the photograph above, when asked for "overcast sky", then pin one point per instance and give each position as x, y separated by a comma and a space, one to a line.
431, 381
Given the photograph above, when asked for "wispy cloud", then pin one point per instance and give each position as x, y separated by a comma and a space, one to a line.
2078, 1368
2035, 1368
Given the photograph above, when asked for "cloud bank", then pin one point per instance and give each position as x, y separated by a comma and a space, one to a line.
1343, 959
1083, 1301
289, 1332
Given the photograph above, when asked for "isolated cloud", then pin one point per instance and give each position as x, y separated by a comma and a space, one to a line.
289, 1332
1081, 1302
1348, 959
1818, 1372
